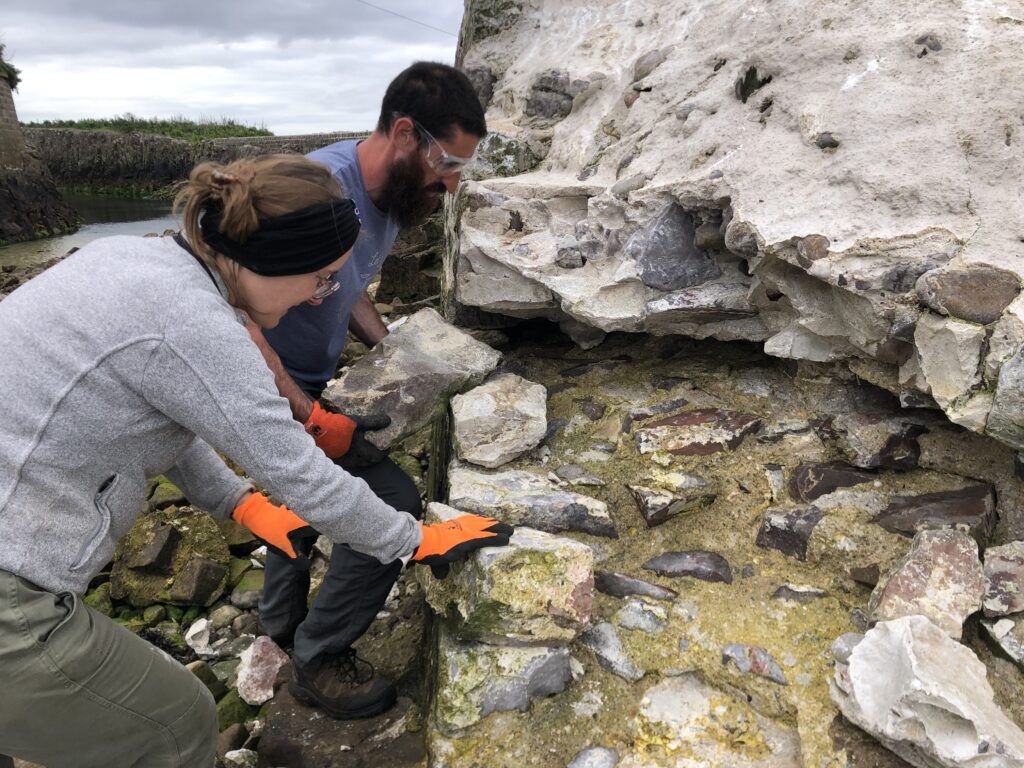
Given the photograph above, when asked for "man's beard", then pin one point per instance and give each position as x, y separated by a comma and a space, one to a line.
404, 197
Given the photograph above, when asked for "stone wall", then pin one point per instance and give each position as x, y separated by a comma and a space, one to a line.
814, 177
30, 205
145, 162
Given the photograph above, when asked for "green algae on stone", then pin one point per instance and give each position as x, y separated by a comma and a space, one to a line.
538, 589
231, 709
99, 599
200, 537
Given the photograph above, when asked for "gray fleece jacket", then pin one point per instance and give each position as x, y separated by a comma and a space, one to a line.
122, 362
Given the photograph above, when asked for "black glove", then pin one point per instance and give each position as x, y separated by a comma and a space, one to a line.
363, 453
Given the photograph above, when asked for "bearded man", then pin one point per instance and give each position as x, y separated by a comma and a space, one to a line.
431, 122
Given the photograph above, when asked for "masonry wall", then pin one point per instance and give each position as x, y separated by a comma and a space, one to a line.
145, 161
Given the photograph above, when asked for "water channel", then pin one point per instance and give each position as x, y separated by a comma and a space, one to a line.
102, 216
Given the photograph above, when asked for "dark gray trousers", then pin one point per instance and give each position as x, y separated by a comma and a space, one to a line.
81, 692
353, 591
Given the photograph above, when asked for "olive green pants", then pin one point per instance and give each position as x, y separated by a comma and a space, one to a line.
80, 691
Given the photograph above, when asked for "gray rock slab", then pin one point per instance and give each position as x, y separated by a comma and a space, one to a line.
411, 374
200, 582
940, 578
606, 644
523, 498
1004, 579
930, 702
698, 563
158, 552
499, 420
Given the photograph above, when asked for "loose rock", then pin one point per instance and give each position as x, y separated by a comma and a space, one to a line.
499, 420
620, 585
931, 704
788, 529
697, 433
1004, 579
940, 578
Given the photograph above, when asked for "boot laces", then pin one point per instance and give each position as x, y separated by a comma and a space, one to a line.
351, 667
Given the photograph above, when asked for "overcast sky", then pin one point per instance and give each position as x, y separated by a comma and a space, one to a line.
294, 66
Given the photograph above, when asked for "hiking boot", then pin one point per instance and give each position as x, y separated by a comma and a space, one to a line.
344, 687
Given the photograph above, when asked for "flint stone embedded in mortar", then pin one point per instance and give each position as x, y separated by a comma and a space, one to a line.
699, 563
972, 508
878, 440
657, 505
604, 641
523, 498
620, 585
697, 433
930, 703
788, 529
977, 292
940, 578
810, 481
411, 374
666, 256
537, 590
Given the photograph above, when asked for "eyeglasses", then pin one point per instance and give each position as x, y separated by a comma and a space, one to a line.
446, 164
325, 286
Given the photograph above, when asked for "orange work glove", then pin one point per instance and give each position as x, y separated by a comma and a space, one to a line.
331, 430
276, 525
447, 542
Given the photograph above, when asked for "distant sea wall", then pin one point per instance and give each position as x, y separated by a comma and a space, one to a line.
141, 163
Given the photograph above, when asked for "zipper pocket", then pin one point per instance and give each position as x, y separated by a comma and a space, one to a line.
102, 527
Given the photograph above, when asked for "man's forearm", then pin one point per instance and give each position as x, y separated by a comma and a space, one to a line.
301, 404
366, 323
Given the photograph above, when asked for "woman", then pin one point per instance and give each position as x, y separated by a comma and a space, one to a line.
129, 359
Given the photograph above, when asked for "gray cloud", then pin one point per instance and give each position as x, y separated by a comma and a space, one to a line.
308, 65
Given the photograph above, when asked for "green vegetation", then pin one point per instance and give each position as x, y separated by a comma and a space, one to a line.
9, 72
175, 127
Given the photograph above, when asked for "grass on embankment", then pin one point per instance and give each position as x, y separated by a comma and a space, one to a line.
175, 127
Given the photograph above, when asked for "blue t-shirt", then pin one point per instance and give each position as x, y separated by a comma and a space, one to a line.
309, 340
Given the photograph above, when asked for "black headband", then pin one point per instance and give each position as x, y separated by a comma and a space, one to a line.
296, 243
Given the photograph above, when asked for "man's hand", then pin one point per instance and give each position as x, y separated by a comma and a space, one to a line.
276, 525
331, 430
361, 452
448, 542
